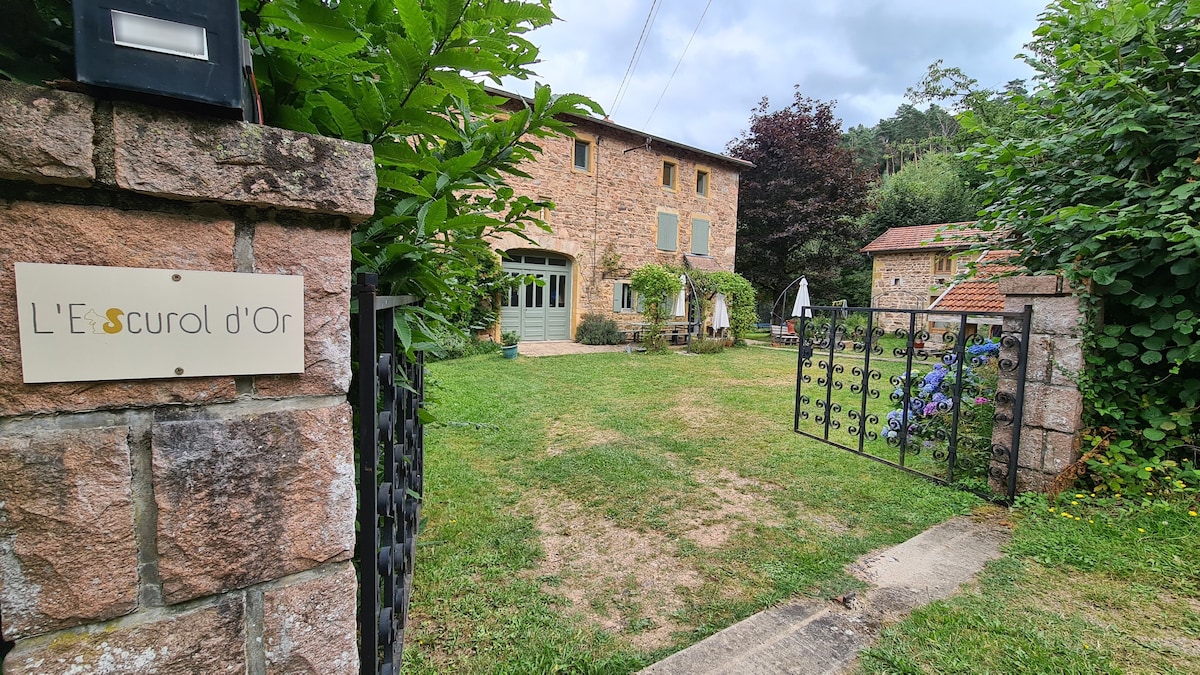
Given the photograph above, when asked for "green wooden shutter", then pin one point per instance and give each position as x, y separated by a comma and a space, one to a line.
640, 303
617, 296
700, 228
668, 231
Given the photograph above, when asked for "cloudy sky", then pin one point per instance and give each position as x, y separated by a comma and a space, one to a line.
861, 53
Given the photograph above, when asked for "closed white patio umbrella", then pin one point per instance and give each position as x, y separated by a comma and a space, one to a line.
720, 313
802, 300
681, 299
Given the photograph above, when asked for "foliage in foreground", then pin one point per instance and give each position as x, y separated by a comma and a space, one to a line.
407, 78
1102, 182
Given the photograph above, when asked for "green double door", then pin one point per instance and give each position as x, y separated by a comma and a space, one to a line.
538, 312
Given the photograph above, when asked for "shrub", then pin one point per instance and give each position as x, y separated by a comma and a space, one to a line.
706, 345
510, 338
657, 285
597, 329
451, 344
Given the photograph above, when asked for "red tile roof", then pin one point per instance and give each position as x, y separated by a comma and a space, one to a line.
980, 293
972, 296
932, 237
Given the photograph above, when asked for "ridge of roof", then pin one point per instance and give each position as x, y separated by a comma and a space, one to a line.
629, 130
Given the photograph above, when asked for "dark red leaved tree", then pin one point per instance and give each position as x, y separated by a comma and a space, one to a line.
797, 206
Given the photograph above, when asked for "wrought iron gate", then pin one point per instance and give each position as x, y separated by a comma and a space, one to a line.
956, 382
390, 454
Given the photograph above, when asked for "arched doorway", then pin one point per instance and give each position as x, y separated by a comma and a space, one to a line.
538, 313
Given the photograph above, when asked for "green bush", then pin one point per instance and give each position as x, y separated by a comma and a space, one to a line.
1099, 180
706, 345
597, 329
451, 344
657, 285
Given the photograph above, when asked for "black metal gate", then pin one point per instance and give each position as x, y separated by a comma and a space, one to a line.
956, 383
390, 455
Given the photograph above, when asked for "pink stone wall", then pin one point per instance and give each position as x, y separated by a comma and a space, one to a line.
198, 525
907, 280
1052, 414
616, 205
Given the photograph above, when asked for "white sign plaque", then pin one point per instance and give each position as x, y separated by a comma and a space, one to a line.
82, 323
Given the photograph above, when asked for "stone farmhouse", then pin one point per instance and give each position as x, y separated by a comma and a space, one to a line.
915, 268
624, 199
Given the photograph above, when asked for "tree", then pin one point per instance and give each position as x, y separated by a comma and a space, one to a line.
937, 188
1100, 178
797, 206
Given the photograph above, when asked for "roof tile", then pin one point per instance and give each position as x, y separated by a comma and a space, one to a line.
939, 236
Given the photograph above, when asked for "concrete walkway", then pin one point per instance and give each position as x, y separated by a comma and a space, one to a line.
825, 637
560, 347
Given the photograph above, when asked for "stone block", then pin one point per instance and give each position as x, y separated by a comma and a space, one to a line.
170, 155
1031, 285
1031, 453
1067, 363
67, 550
1038, 367
1054, 408
208, 640
1058, 316
311, 626
45, 135
1054, 360
1062, 450
251, 499
1032, 480
323, 257
82, 235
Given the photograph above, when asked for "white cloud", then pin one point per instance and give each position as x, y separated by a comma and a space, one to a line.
864, 53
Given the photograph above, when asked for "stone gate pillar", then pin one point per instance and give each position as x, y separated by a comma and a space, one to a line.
183, 525
1053, 405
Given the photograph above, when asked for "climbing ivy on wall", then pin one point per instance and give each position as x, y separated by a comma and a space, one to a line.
1103, 184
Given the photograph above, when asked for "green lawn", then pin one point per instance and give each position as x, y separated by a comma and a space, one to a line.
1085, 588
594, 513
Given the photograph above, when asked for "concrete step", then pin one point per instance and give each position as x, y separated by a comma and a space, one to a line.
825, 637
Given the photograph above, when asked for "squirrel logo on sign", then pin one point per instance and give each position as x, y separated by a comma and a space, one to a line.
99, 326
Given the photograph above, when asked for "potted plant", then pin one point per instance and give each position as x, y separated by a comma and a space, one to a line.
508, 341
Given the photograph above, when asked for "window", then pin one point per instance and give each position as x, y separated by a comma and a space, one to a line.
700, 228
701, 183
668, 231
583, 155
622, 297
669, 171
943, 262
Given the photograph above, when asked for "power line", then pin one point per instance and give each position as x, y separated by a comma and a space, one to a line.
677, 63
636, 57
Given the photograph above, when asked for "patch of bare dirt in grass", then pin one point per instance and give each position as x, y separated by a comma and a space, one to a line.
735, 501
565, 434
626, 581
694, 409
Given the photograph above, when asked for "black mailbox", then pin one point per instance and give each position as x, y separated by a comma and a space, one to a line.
191, 50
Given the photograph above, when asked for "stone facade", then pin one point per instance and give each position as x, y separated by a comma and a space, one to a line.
191, 525
1052, 414
613, 207
910, 280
